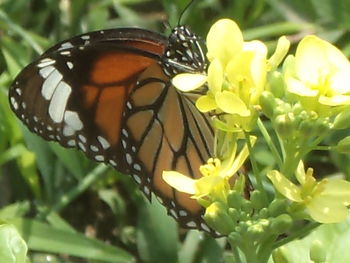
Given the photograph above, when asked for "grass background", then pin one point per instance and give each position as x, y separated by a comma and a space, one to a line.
70, 209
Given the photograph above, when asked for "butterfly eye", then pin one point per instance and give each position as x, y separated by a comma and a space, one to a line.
109, 94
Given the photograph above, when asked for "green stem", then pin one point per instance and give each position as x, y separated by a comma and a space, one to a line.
270, 143
266, 247
81, 187
249, 251
297, 234
235, 251
256, 173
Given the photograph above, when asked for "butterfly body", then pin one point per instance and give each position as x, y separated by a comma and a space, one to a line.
109, 94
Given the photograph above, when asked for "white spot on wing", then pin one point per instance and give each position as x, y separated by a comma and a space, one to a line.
146, 190
82, 138
18, 91
99, 158
66, 45
183, 213
50, 84
71, 143
71, 118
14, 103
112, 162
82, 146
137, 167
137, 178
205, 227
93, 148
46, 71
191, 224
104, 143
69, 64
68, 131
85, 37
59, 101
45, 62
128, 158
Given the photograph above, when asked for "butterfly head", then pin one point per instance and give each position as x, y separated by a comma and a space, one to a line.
183, 53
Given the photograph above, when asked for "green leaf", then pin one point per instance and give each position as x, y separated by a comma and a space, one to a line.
13, 249
45, 238
156, 234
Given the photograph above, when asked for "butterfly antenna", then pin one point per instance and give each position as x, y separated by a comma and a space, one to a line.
184, 10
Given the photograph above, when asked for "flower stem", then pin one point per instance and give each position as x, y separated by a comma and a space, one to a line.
270, 143
297, 234
256, 173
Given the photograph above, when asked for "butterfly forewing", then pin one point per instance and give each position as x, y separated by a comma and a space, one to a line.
109, 94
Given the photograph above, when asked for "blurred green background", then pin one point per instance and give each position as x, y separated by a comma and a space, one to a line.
70, 209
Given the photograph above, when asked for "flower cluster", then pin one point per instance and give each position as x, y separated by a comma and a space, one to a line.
305, 99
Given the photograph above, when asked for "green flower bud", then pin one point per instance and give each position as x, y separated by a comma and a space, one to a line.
263, 213
281, 255
343, 145
13, 249
234, 214
235, 199
342, 121
257, 230
217, 217
268, 103
318, 251
247, 206
276, 84
257, 199
284, 125
321, 126
306, 129
277, 207
281, 224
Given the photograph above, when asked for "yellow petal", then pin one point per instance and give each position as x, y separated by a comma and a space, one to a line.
336, 100
239, 160
224, 40
206, 103
231, 103
324, 210
281, 51
314, 56
337, 189
284, 186
215, 76
206, 184
187, 81
179, 181
300, 88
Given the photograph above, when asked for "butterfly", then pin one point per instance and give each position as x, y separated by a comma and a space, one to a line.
109, 94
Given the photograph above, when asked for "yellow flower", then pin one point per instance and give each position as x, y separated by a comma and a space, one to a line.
216, 175
325, 201
319, 74
236, 75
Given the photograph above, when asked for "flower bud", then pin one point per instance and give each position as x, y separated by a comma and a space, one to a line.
235, 199
343, 145
281, 223
284, 125
277, 207
217, 217
257, 199
234, 214
268, 103
342, 121
276, 84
